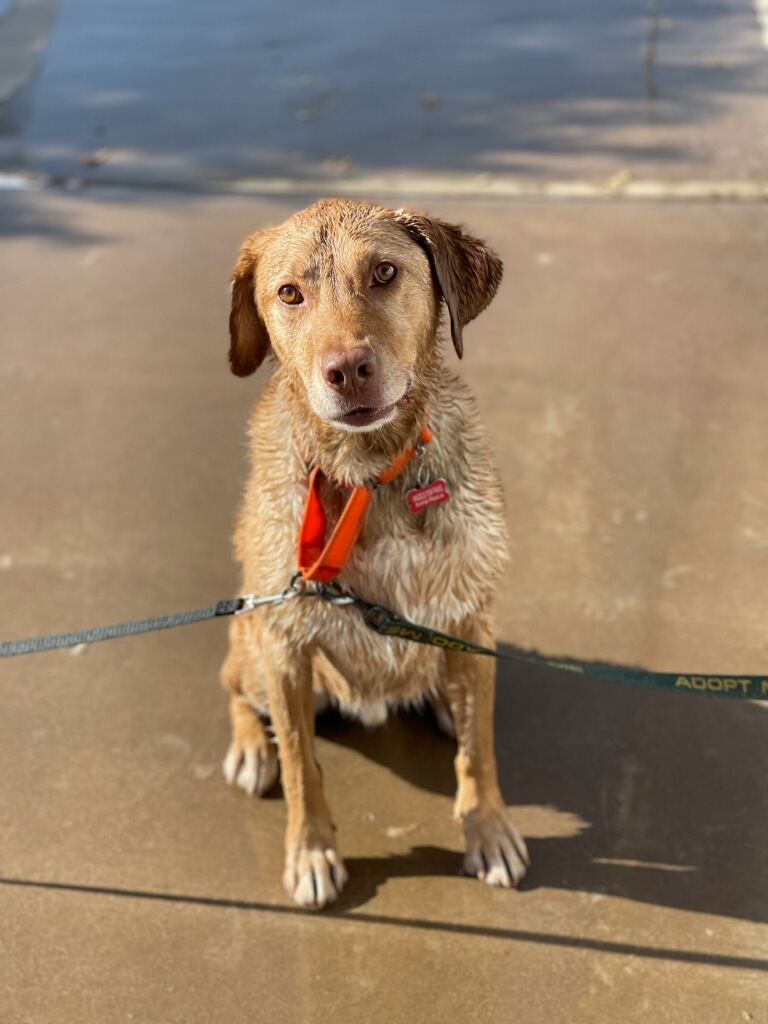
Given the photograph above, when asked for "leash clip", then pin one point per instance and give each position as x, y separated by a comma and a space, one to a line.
374, 615
251, 601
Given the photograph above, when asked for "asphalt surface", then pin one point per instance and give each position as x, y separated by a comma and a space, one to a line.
622, 374
189, 91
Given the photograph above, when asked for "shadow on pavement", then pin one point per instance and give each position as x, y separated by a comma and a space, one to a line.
669, 790
497, 90
26, 220
341, 910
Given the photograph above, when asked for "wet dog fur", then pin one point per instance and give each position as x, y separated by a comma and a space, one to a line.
345, 297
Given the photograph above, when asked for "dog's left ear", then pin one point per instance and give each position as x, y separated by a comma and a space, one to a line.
467, 271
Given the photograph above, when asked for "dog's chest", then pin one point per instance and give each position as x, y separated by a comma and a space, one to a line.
437, 567
436, 563
426, 568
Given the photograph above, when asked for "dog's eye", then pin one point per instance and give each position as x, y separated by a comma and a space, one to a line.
289, 295
383, 273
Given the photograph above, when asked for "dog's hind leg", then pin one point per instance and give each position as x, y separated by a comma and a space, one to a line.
251, 760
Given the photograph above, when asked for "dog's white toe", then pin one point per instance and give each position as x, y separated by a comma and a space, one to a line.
314, 877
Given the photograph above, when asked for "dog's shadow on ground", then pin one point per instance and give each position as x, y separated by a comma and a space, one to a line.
368, 874
409, 744
654, 797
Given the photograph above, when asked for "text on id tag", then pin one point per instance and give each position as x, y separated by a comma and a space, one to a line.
433, 493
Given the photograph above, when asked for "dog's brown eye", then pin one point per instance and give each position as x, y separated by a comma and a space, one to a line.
289, 295
383, 273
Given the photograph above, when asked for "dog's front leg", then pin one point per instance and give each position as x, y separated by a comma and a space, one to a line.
495, 851
314, 873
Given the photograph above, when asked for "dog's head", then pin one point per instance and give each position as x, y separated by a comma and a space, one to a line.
347, 296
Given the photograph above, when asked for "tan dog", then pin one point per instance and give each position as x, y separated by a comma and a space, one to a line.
347, 297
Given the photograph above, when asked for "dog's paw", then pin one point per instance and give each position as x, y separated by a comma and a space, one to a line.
314, 876
254, 768
496, 853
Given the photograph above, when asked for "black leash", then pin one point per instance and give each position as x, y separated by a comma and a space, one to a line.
91, 636
387, 623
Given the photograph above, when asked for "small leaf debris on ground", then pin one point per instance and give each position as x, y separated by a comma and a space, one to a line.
96, 158
617, 182
398, 831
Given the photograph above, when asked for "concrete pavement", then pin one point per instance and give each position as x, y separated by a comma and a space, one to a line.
622, 375
621, 371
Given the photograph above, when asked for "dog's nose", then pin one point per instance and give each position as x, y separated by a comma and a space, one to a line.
349, 370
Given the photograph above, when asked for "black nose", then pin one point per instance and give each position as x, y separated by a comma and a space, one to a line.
349, 370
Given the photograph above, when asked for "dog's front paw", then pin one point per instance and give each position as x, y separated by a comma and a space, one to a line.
314, 876
253, 766
496, 853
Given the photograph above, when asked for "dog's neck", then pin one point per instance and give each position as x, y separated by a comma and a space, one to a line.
358, 457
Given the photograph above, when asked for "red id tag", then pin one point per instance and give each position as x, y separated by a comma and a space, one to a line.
430, 494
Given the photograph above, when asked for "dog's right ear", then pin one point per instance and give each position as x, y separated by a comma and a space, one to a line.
249, 340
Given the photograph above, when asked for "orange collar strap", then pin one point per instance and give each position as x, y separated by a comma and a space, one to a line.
322, 561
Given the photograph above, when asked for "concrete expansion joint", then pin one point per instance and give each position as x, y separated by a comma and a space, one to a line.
618, 187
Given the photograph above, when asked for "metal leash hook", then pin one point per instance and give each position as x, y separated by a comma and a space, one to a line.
374, 615
251, 601
334, 593
297, 587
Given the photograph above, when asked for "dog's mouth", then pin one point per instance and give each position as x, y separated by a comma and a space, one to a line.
365, 415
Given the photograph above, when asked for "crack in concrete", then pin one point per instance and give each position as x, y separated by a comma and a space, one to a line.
651, 48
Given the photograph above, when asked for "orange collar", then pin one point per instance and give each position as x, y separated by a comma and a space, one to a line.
322, 561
